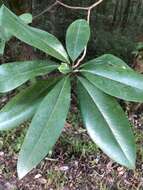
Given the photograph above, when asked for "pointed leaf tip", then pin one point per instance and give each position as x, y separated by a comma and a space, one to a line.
107, 124
23, 106
37, 38
111, 75
77, 37
48, 121
26, 18
21, 172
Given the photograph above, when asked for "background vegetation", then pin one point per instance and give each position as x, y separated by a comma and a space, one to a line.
117, 26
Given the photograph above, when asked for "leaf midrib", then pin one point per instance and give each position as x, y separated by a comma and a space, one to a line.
47, 121
107, 124
37, 98
96, 74
76, 40
4, 124
26, 72
50, 46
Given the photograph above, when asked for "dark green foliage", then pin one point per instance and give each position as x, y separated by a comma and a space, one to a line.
105, 122
5, 35
48, 101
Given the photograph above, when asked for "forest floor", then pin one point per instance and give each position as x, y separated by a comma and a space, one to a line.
75, 163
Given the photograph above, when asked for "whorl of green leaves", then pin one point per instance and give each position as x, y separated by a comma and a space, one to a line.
47, 102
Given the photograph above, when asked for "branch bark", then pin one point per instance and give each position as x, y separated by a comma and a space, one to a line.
80, 8
46, 10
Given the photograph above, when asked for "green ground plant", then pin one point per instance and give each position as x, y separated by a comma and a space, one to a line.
47, 102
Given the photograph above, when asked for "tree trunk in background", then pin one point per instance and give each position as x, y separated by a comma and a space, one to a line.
116, 24
122, 12
19, 51
18, 6
115, 15
126, 13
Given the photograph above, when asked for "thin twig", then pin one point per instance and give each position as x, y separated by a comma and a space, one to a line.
46, 10
81, 59
88, 20
95, 4
71, 7
88, 16
68, 6
88, 9
79, 8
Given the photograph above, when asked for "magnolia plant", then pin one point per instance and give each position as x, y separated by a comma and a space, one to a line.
47, 102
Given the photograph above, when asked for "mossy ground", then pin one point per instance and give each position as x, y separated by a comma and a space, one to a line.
75, 163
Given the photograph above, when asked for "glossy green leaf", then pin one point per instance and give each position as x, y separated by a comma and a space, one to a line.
34, 37
77, 38
108, 59
45, 128
26, 18
5, 35
107, 124
14, 74
115, 80
23, 106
